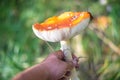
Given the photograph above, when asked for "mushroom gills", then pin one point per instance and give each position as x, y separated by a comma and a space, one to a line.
79, 27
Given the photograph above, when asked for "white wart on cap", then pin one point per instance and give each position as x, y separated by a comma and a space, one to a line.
62, 27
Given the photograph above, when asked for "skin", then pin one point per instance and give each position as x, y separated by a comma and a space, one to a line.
54, 67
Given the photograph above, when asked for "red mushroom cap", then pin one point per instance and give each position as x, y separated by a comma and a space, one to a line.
62, 27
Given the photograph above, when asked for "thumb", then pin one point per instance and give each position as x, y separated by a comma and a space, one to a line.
59, 54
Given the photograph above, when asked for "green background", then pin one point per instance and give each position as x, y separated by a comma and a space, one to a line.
20, 48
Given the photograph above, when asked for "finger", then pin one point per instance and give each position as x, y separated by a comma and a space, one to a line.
59, 54
75, 61
70, 65
76, 64
66, 76
75, 57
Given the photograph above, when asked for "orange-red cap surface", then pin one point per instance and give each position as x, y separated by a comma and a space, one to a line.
67, 19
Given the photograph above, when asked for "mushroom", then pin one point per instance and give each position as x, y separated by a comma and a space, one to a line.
61, 28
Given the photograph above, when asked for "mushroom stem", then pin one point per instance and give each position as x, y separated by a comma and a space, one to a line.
65, 47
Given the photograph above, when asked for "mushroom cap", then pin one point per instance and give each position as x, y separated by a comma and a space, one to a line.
62, 27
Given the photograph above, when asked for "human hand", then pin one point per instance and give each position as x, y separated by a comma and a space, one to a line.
54, 67
59, 68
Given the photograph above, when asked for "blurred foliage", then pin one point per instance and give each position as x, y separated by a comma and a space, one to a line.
20, 48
